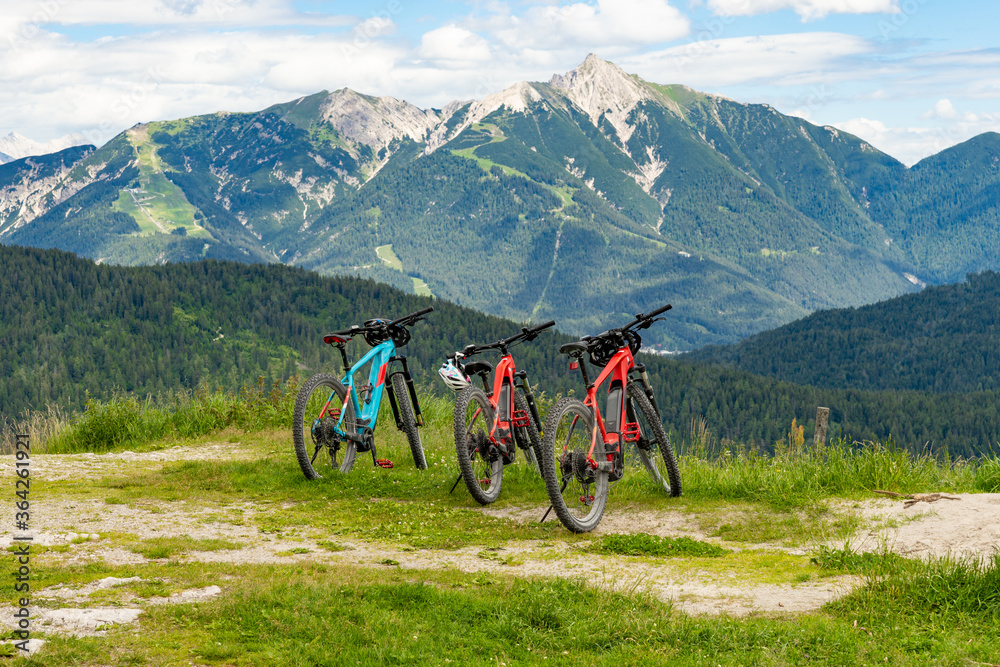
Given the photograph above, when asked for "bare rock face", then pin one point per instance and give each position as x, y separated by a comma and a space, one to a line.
602, 88
35, 190
377, 121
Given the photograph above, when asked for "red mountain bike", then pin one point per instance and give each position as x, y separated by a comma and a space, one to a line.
582, 452
493, 422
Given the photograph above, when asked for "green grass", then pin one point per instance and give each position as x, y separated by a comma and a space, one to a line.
386, 254
168, 547
126, 421
318, 614
420, 288
318, 605
156, 204
641, 544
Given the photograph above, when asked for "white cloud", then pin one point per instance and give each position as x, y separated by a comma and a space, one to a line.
909, 145
222, 13
453, 44
792, 59
589, 26
101, 88
943, 109
808, 9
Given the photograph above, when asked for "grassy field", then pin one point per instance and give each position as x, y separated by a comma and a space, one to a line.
386, 254
157, 205
386, 567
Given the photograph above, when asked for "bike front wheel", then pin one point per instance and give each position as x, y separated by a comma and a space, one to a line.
406, 416
653, 445
577, 491
480, 463
320, 403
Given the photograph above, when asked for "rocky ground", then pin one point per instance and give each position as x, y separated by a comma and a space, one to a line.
969, 525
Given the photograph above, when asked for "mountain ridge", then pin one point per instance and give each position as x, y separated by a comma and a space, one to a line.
15, 146
942, 339
584, 198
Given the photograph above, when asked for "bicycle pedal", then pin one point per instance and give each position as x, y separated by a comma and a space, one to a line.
587, 500
520, 419
384, 463
631, 432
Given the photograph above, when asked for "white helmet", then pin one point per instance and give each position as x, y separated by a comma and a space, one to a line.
452, 376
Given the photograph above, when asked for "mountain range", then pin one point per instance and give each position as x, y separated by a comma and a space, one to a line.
15, 146
583, 199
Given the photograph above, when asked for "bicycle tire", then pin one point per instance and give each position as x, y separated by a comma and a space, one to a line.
568, 429
409, 421
481, 470
528, 434
654, 439
309, 402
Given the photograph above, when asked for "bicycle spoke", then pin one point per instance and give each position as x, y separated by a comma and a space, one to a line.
577, 490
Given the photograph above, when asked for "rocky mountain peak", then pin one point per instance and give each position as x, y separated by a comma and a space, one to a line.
602, 88
16, 146
377, 121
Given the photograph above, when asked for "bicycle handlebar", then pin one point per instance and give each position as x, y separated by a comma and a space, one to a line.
405, 321
525, 334
588, 343
412, 317
644, 320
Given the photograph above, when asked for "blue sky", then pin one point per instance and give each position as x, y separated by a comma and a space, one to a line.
910, 76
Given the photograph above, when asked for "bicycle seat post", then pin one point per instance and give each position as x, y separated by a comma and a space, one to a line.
578, 361
343, 355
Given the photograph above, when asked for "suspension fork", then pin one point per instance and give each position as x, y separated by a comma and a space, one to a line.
393, 401
647, 388
529, 396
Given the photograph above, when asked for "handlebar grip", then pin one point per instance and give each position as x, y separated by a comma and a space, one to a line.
657, 311
550, 323
412, 316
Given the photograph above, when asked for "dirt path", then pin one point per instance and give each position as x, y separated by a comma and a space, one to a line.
93, 528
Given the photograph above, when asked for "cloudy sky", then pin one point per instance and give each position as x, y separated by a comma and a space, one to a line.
910, 76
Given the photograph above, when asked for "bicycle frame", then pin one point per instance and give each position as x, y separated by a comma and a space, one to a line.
366, 409
621, 429
502, 399
367, 414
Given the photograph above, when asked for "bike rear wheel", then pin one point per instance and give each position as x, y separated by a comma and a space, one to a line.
323, 394
654, 446
406, 416
578, 492
479, 462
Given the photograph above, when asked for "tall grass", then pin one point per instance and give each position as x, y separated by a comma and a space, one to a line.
125, 420
796, 474
40, 427
128, 421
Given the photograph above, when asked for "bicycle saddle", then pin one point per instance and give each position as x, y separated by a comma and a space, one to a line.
477, 367
575, 349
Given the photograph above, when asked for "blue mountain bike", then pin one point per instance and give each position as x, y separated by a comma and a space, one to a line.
340, 417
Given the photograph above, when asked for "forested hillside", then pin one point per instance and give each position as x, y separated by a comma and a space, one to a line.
70, 326
943, 339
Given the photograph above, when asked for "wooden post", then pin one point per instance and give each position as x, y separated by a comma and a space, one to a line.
822, 417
